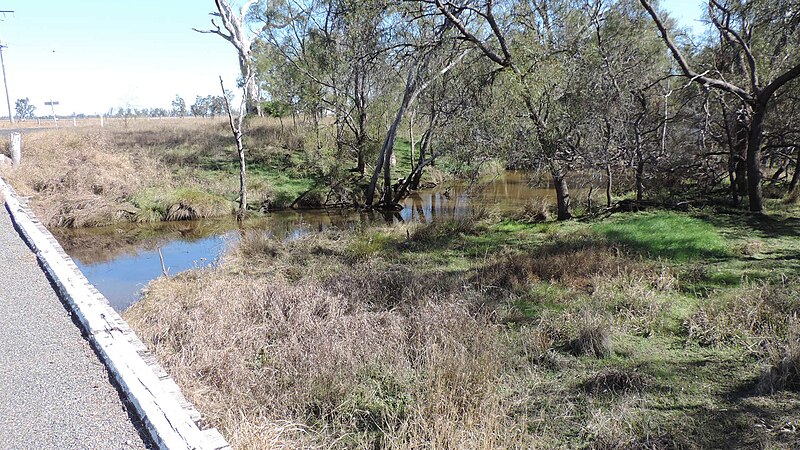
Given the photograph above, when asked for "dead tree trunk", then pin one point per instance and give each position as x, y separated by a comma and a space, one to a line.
236, 33
608, 185
236, 130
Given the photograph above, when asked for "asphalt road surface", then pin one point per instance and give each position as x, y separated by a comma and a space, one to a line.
54, 391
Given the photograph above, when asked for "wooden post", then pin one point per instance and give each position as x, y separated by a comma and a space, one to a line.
15, 149
101, 121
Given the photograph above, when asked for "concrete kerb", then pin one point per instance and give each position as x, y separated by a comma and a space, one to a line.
171, 421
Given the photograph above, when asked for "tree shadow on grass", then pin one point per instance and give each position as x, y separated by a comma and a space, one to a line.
732, 417
762, 225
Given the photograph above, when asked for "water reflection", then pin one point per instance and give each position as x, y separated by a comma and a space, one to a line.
122, 259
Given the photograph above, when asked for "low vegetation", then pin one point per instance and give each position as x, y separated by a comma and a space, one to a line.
156, 170
644, 330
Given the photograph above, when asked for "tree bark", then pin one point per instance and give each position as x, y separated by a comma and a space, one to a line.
608, 185
562, 197
754, 159
385, 155
238, 133
740, 158
640, 180
796, 176
236, 33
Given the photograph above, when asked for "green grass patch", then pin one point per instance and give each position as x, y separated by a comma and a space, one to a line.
155, 204
666, 235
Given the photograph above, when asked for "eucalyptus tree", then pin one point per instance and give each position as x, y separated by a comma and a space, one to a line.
764, 38
178, 107
339, 52
432, 52
631, 104
234, 29
538, 49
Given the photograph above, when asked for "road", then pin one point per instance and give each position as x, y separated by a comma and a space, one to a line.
54, 391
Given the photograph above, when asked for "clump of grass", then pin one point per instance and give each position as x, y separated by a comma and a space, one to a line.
752, 247
593, 339
446, 228
179, 204
614, 381
259, 245
570, 260
535, 211
666, 235
370, 244
639, 300
756, 316
784, 374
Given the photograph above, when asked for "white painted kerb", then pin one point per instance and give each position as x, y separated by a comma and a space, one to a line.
170, 420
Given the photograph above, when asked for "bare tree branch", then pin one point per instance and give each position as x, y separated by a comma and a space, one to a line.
687, 70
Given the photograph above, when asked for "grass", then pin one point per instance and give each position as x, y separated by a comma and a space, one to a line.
485, 333
667, 235
149, 171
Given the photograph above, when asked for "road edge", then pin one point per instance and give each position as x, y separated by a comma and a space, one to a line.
171, 421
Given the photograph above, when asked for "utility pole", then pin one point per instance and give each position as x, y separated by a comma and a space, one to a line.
5, 83
3, 64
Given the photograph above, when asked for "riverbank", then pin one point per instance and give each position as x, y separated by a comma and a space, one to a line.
161, 170
147, 171
654, 329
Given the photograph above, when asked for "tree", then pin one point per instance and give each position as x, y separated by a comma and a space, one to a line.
434, 55
200, 107
179, 106
237, 34
537, 47
763, 35
237, 130
24, 109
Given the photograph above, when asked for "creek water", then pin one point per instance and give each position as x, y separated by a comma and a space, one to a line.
120, 260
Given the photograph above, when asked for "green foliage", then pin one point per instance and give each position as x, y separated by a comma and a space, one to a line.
277, 108
24, 108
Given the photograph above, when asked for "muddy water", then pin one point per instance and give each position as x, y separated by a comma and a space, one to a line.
121, 260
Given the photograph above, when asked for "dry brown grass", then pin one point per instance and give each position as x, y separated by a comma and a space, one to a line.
142, 171
573, 261
784, 373
759, 316
535, 211
332, 364
76, 178
356, 341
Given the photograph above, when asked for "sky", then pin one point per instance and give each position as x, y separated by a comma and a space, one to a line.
92, 55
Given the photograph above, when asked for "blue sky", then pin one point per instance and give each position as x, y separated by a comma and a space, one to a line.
91, 55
